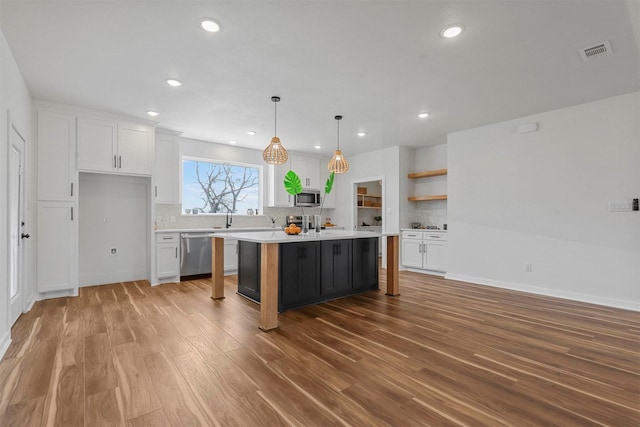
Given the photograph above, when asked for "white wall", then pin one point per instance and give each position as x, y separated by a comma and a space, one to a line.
542, 198
113, 213
16, 101
381, 164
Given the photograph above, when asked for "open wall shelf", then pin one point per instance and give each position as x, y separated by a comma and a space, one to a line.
427, 174
427, 198
374, 202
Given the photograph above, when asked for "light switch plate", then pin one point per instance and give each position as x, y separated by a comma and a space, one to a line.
625, 206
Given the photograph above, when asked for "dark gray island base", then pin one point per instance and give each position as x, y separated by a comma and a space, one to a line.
310, 272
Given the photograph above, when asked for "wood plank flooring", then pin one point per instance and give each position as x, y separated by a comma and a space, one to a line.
443, 353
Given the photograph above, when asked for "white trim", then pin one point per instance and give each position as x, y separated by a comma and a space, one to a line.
72, 292
5, 342
431, 272
574, 296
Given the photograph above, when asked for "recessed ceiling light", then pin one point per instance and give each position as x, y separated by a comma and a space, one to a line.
423, 115
362, 133
251, 132
451, 31
152, 113
174, 82
317, 146
232, 142
209, 25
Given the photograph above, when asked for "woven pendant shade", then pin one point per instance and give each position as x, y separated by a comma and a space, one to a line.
275, 153
338, 163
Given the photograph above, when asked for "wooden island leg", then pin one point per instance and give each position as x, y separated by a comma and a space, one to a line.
268, 286
393, 271
217, 265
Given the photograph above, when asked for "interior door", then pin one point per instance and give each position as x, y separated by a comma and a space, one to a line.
16, 223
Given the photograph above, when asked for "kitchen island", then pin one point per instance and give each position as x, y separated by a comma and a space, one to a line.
283, 272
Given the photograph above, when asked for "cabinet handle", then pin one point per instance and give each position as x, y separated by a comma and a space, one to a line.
176, 252
115, 162
71, 213
156, 191
119, 162
72, 189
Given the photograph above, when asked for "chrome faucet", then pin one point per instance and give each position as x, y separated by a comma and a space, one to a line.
229, 219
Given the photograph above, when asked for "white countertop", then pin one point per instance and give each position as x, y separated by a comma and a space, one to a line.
279, 236
215, 230
423, 229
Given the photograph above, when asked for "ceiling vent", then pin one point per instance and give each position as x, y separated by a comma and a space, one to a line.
594, 51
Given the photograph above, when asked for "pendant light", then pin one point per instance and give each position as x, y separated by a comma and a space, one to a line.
275, 153
338, 163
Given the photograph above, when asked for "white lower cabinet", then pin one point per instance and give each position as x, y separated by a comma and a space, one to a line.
424, 250
56, 246
168, 255
230, 256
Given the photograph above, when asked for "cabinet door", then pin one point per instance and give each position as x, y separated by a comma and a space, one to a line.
412, 253
277, 196
299, 279
135, 149
167, 260
56, 135
167, 170
436, 256
56, 246
249, 269
365, 263
336, 267
230, 256
307, 168
97, 146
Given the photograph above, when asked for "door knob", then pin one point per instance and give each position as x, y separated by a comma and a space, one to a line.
24, 236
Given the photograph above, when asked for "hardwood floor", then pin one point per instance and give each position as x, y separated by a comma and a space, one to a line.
442, 353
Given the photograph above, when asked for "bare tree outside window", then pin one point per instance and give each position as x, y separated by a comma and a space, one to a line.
216, 187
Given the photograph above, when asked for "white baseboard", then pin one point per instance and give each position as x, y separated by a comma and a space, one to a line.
5, 342
574, 296
57, 294
432, 272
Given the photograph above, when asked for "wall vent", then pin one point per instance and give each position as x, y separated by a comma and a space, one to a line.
598, 50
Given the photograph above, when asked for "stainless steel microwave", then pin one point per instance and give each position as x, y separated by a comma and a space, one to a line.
308, 198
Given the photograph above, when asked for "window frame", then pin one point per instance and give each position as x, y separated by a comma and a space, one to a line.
221, 162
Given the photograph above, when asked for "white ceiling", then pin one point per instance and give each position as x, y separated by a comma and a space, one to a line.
377, 63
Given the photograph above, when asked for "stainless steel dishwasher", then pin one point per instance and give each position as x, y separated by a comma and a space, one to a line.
196, 254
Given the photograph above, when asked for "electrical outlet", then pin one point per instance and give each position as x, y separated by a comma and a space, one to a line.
114, 251
159, 218
172, 219
528, 268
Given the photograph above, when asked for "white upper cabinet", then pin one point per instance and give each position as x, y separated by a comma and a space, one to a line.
56, 136
308, 169
135, 149
277, 196
167, 173
312, 172
97, 145
109, 146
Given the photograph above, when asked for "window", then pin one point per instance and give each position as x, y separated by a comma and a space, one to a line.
211, 186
